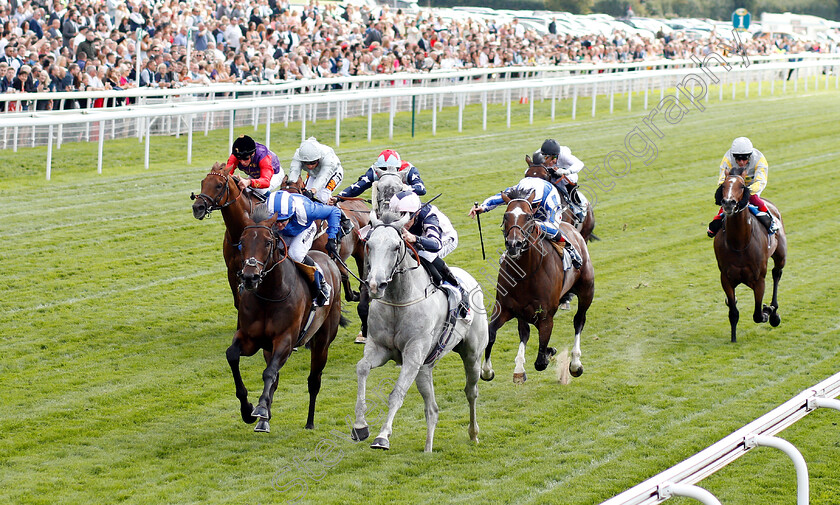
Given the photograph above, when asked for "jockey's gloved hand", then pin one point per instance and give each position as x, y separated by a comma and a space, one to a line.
332, 247
308, 194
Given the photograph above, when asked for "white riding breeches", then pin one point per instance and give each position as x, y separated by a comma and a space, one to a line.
449, 245
299, 245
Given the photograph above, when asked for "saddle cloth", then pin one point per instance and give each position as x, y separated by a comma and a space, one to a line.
567, 259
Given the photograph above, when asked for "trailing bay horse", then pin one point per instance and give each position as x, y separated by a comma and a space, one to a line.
407, 316
274, 307
531, 283
587, 226
743, 248
219, 191
351, 245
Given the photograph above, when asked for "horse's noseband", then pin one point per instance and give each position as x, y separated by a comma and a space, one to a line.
214, 203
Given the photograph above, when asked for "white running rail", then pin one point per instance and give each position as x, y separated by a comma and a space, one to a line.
681, 479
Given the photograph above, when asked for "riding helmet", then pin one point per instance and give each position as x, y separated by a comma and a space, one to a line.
405, 201
550, 148
309, 151
388, 159
538, 158
244, 146
741, 145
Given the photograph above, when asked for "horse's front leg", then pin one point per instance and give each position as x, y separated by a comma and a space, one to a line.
427, 390
519, 375
275, 360
233, 353
499, 317
374, 356
759, 314
544, 353
412, 360
731, 302
363, 308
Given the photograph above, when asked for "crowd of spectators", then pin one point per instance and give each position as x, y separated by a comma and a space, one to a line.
55, 45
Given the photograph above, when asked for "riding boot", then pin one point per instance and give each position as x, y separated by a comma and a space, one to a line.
714, 227
767, 220
449, 277
321, 290
346, 224
432, 271
580, 213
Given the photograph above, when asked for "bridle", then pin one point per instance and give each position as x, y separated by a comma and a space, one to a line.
215, 203
529, 219
404, 247
254, 262
740, 206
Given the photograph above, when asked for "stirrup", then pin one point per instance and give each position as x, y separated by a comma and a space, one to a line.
322, 295
577, 261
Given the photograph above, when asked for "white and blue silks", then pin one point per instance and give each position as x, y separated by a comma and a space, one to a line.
301, 213
549, 210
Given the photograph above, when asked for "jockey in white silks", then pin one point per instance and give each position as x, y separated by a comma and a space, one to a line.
433, 236
324, 173
548, 212
563, 168
299, 214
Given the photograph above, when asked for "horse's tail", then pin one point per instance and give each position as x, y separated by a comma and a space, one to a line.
343, 321
592, 236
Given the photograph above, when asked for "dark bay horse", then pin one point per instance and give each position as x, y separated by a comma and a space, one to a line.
273, 309
532, 282
219, 191
743, 248
586, 227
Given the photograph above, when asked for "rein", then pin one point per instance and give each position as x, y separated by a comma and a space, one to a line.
404, 247
254, 262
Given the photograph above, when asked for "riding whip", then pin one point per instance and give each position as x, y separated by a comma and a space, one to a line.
480, 236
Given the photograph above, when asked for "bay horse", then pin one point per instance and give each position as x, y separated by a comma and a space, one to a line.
587, 226
742, 249
274, 306
531, 283
219, 191
407, 316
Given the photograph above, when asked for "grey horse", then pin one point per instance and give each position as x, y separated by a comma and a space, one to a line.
406, 317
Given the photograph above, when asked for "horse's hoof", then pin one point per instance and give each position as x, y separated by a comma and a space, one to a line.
565, 306
360, 339
262, 426
578, 373
359, 434
381, 443
261, 412
550, 351
519, 378
309, 426
246, 414
775, 320
541, 363
488, 376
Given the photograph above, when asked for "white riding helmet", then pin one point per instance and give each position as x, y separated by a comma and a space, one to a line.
309, 150
406, 201
741, 145
388, 159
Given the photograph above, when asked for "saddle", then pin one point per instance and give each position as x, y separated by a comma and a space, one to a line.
307, 271
564, 254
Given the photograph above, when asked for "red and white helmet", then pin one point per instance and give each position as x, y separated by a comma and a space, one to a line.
388, 159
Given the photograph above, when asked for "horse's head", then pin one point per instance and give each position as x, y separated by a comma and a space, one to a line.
385, 250
734, 195
389, 183
217, 191
259, 247
518, 222
293, 187
536, 166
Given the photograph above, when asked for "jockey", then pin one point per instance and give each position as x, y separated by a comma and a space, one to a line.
754, 168
548, 211
262, 166
387, 159
299, 214
432, 234
563, 168
324, 173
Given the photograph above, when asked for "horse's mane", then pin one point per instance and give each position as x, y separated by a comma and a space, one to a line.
519, 193
260, 213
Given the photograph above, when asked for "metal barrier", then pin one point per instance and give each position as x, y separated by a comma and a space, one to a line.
184, 117
681, 479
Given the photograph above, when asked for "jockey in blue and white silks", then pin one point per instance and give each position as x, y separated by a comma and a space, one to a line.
548, 213
300, 214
